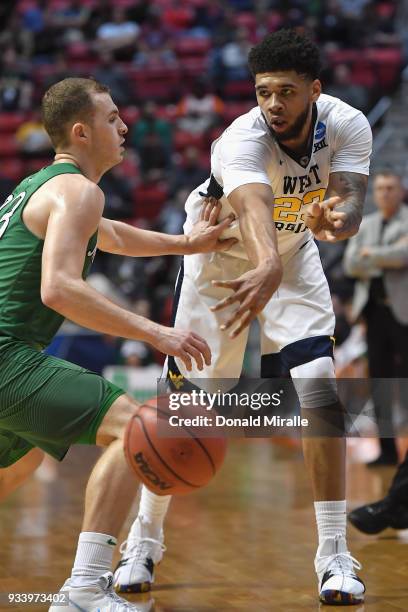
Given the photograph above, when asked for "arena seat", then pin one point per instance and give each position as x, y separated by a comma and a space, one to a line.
236, 90
148, 200
388, 64
129, 114
192, 47
8, 146
182, 140
178, 18
12, 169
232, 110
10, 122
161, 83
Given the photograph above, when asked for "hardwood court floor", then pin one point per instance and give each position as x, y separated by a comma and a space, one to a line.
245, 543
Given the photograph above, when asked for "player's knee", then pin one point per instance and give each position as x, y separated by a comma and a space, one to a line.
116, 419
315, 383
14, 475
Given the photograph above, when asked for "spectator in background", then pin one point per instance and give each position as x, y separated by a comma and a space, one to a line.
100, 13
344, 88
208, 16
154, 43
234, 56
118, 35
332, 27
173, 216
61, 71
118, 194
153, 157
189, 173
151, 137
32, 139
135, 354
111, 74
378, 258
14, 33
69, 21
16, 88
199, 110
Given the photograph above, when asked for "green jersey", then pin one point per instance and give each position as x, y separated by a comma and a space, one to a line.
23, 316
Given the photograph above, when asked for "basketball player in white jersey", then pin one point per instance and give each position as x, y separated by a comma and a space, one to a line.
292, 169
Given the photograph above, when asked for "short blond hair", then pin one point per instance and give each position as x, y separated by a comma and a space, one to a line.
66, 102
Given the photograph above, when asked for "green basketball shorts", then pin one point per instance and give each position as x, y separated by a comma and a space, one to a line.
47, 402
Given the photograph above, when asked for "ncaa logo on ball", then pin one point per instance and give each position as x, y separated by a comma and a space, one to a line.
147, 471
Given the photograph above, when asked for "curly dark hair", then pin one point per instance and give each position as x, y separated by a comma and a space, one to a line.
285, 50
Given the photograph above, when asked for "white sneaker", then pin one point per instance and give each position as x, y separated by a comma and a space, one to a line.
140, 554
97, 596
337, 581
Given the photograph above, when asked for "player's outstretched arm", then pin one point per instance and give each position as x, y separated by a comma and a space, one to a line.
75, 213
253, 204
205, 237
339, 216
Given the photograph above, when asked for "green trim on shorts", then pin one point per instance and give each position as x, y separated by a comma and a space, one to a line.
111, 394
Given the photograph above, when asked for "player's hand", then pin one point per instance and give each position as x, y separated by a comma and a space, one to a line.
252, 291
325, 221
185, 345
205, 235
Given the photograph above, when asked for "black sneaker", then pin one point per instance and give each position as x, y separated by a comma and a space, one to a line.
383, 460
377, 516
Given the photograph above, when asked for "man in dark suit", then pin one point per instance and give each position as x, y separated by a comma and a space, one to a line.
378, 258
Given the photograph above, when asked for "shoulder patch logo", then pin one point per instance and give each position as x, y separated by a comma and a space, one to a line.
320, 131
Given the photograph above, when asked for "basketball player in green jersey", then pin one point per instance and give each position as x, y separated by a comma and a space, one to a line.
50, 228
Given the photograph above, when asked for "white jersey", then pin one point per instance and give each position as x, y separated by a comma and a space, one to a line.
247, 152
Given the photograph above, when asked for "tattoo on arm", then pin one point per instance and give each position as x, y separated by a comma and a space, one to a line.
351, 187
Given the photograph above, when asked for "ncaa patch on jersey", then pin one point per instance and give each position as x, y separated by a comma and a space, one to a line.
320, 132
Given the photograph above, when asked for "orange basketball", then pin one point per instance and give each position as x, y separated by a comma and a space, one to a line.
170, 465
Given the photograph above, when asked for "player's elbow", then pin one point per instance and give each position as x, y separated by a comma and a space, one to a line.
55, 292
51, 296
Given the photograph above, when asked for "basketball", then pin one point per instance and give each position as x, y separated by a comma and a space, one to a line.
170, 465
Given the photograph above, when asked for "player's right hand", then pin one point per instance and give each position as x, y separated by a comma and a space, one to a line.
252, 291
185, 345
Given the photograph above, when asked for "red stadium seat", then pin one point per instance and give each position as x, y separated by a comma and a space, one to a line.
129, 114
155, 83
194, 67
12, 169
148, 200
192, 47
232, 110
246, 20
182, 140
79, 51
239, 90
388, 64
178, 18
8, 146
10, 122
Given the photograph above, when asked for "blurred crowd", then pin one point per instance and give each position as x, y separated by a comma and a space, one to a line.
178, 71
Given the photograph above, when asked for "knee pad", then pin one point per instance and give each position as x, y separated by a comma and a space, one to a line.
315, 383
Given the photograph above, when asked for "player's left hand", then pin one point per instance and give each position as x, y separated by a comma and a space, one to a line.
205, 235
252, 290
325, 221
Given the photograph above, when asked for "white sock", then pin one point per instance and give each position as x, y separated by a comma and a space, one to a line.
93, 557
330, 518
152, 512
